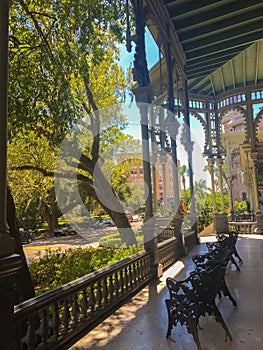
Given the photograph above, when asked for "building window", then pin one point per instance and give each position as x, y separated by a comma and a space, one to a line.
244, 196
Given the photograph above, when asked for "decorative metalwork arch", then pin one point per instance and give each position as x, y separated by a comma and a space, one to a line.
243, 112
204, 126
258, 119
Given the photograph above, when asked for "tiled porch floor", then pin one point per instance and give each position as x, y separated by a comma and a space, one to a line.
141, 323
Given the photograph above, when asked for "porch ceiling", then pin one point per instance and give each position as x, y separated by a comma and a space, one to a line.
220, 41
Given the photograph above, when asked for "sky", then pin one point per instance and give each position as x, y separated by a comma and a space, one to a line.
152, 56
152, 52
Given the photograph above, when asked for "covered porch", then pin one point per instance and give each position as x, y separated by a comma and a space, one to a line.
141, 323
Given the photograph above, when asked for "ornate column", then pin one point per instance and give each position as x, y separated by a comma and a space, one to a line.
220, 219
219, 161
232, 205
153, 157
143, 97
188, 145
172, 128
257, 211
172, 124
211, 163
7, 244
253, 158
163, 161
10, 263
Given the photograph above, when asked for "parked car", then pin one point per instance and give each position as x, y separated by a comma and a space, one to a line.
25, 236
129, 217
133, 217
136, 217
102, 223
65, 229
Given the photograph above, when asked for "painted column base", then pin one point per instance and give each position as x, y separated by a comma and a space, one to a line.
259, 224
150, 245
220, 223
9, 268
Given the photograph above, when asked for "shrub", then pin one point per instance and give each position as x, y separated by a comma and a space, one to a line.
114, 240
59, 267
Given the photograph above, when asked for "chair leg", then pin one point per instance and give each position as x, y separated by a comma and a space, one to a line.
235, 263
192, 328
238, 256
226, 292
220, 319
170, 326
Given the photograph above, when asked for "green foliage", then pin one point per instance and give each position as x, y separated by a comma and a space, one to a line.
241, 207
31, 190
63, 67
59, 267
55, 49
205, 214
114, 240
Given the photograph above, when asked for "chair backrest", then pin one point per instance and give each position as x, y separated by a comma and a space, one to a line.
212, 258
210, 283
200, 286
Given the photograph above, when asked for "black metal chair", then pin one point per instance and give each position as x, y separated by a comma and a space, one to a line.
192, 298
226, 240
208, 261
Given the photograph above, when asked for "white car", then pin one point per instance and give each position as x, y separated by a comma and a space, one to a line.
136, 217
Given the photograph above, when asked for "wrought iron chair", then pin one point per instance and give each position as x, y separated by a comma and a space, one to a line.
226, 240
208, 261
192, 298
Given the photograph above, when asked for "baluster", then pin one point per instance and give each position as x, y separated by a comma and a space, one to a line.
84, 304
30, 337
116, 284
130, 276
43, 328
126, 278
142, 262
144, 268
105, 290
75, 310
92, 300
55, 321
99, 294
135, 273
66, 316
111, 288
138, 271
147, 267
121, 281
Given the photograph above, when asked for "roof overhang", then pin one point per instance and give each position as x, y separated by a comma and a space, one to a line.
220, 41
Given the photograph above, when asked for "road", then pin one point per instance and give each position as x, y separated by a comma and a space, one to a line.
84, 238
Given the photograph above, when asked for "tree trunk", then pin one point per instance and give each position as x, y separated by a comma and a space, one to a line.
52, 221
106, 197
25, 284
183, 181
51, 215
124, 227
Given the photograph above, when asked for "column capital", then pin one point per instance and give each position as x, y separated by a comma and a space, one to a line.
163, 158
143, 94
172, 126
211, 161
220, 161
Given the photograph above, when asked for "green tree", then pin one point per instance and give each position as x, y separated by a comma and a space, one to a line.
63, 69
183, 171
33, 192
